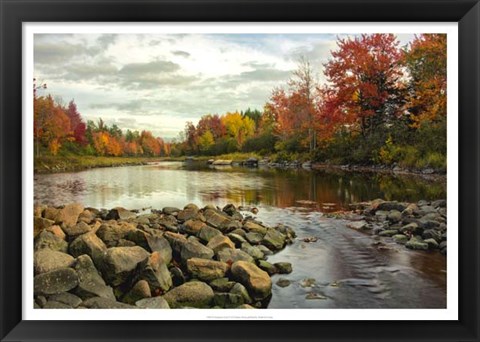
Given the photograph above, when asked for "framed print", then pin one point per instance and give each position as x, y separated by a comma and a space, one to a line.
253, 170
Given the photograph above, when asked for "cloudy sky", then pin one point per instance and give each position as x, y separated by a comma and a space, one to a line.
159, 82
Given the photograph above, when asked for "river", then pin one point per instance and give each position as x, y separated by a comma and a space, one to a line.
344, 268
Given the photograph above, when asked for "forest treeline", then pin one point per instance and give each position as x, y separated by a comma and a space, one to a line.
381, 103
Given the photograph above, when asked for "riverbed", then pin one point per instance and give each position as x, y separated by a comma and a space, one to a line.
343, 268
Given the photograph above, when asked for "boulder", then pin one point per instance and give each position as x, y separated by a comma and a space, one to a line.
86, 216
51, 304
432, 244
177, 276
206, 270
119, 263
187, 214
267, 267
110, 234
232, 255
176, 241
220, 242
283, 267
229, 209
239, 289
140, 290
217, 219
394, 216
193, 227
160, 245
206, 233
48, 240
46, 260
222, 284
72, 231
251, 226
416, 243
400, 239
254, 238
90, 282
40, 223
228, 300
57, 281
154, 270
237, 239
273, 239
120, 213
104, 303
88, 244
253, 251
68, 215
193, 294
170, 210
57, 231
66, 298
152, 303
432, 234
194, 249
410, 228
391, 205
253, 278
388, 232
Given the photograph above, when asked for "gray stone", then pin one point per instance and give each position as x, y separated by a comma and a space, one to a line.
90, 282
388, 232
66, 298
392, 205
193, 227
394, 216
222, 284
120, 213
416, 243
207, 233
283, 267
51, 304
232, 255
283, 282
220, 242
253, 278
206, 270
140, 290
228, 300
411, 228
46, 260
170, 210
194, 249
217, 219
432, 234
76, 230
110, 234
236, 239
177, 241
241, 290
273, 239
153, 303
254, 238
53, 282
154, 270
400, 239
193, 294
88, 244
432, 244
50, 241
251, 226
267, 267
119, 263
104, 303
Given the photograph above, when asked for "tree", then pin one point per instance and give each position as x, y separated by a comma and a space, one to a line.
238, 127
77, 126
206, 141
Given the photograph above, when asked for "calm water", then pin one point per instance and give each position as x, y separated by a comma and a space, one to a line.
348, 267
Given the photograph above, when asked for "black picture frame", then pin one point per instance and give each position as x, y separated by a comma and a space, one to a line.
14, 12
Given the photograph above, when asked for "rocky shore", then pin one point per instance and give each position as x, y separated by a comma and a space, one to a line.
419, 226
169, 258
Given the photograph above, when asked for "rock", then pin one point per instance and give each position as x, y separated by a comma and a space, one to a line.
254, 238
439, 203
232, 255
90, 282
412, 228
152, 303
267, 267
75, 230
66, 298
177, 276
426, 209
222, 284
216, 220
236, 239
170, 210
187, 214
207, 233
283, 267
388, 232
206, 270
104, 303
443, 244
88, 244
282, 282
119, 263
253, 278
177, 241
57, 231
314, 295
40, 223
38, 210
253, 251
193, 227
50, 213
400, 239
393, 205
251, 226
273, 239
110, 234
120, 213
193, 294
228, 300
416, 243
86, 216
139, 291
264, 250
48, 240
46, 260
154, 270
241, 290
432, 244
432, 234
51, 304
41, 301
194, 249
357, 225
229, 209
245, 306
160, 245
220, 242
68, 215
394, 216
57, 281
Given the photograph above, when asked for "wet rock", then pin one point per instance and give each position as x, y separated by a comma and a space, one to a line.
171, 211
267, 267
222, 284
241, 290
193, 294
254, 238
282, 282
412, 228
194, 249
394, 216
391, 205
416, 243
139, 291
57, 281
177, 276
152, 303
46, 260
253, 251
220, 242
283, 267
388, 232
206, 270
177, 241
120, 213
193, 226
228, 300
75, 230
357, 225
216, 219
236, 239
432, 234
232, 255
154, 270
251, 226
400, 239
48, 240
432, 244
88, 244
119, 263
274, 240
253, 278
66, 298
104, 303
90, 282
207, 233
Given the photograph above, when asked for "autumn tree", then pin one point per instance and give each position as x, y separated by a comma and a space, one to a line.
238, 127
